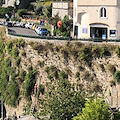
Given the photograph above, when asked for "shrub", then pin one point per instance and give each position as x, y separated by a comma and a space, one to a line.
15, 52
46, 69
42, 64
117, 51
29, 67
112, 83
30, 80
21, 12
22, 75
18, 59
85, 75
85, 55
21, 42
62, 75
12, 94
96, 51
23, 53
9, 47
41, 89
104, 51
77, 74
111, 68
117, 76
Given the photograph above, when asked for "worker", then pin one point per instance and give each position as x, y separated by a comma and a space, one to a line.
35, 89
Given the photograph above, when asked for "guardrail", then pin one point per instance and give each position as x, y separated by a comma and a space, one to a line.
63, 38
40, 37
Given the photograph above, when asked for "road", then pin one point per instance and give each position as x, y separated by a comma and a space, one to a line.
22, 31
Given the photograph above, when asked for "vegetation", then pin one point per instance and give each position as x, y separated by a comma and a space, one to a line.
117, 76
64, 101
29, 83
94, 110
4, 11
21, 12
63, 94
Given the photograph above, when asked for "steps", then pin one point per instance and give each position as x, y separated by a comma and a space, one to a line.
33, 105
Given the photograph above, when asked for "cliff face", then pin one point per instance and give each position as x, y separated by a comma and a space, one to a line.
90, 66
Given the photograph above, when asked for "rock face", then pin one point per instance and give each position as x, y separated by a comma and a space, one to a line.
82, 68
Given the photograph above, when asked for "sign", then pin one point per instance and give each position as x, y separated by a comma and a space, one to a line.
103, 36
42, 22
59, 24
84, 29
112, 33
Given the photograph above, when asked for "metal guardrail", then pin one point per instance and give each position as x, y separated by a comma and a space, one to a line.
63, 38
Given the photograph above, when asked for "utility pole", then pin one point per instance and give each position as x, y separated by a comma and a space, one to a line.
2, 108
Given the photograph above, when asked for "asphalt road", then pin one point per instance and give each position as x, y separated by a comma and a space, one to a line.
22, 31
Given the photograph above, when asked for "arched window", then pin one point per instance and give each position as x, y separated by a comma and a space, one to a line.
103, 12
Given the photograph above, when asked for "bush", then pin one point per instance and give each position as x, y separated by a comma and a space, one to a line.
77, 74
23, 53
111, 68
9, 47
22, 75
104, 51
18, 59
41, 89
96, 51
15, 52
29, 67
21, 42
30, 80
42, 64
112, 83
117, 76
21, 12
117, 51
62, 75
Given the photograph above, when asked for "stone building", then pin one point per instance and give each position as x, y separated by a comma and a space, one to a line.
10, 3
62, 8
21, 3
96, 19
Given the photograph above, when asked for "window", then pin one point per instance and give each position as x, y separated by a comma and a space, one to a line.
103, 12
8, 2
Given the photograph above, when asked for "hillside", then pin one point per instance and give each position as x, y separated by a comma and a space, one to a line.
93, 67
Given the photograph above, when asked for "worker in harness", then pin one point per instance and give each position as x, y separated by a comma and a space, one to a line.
35, 89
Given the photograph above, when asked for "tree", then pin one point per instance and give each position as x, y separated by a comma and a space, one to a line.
62, 101
39, 9
117, 76
66, 26
94, 110
21, 12
47, 11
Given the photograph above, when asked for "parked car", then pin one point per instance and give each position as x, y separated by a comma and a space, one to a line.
22, 24
28, 25
9, 24
43, 31
34, 25
38, 29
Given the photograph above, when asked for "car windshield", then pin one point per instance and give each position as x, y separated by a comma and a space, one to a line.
44, 29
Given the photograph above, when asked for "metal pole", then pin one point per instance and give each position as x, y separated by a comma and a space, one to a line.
2, 108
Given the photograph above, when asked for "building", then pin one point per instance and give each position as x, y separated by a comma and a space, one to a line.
7, 3
62, 8
96, 19
22, 4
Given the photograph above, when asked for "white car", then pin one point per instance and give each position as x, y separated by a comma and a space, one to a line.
28, 25
38, 29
